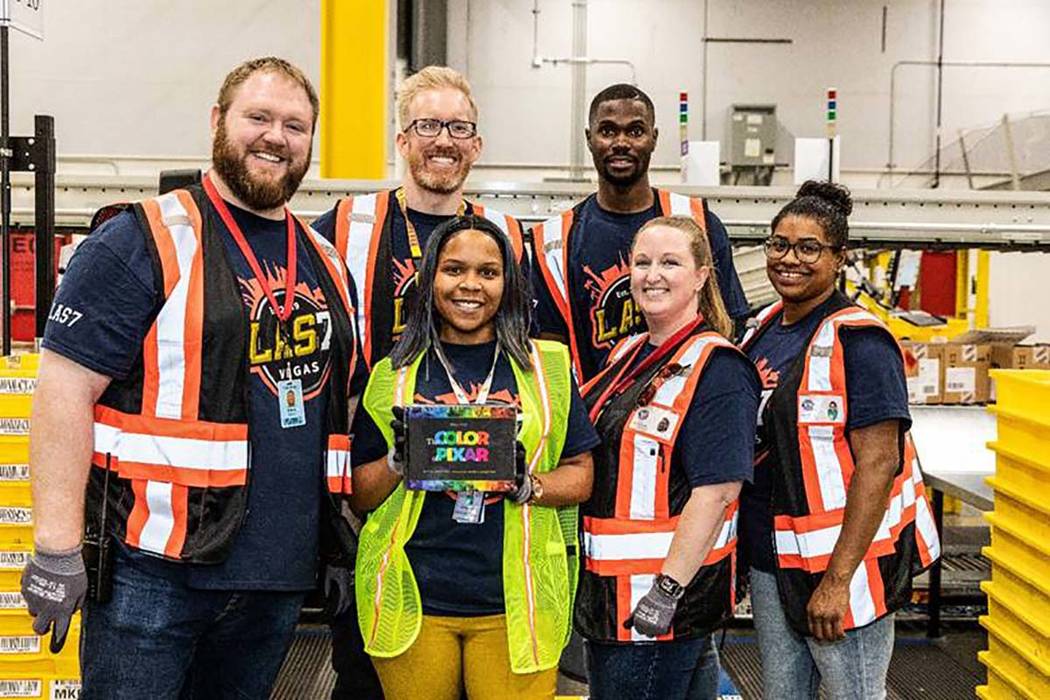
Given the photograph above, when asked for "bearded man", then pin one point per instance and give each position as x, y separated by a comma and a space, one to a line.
382, 235
199, 386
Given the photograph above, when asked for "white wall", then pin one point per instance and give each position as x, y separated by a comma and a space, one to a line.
139, 76
835, 43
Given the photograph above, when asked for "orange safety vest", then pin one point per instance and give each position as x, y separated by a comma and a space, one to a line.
631, 517
551, 254
809, 412
360, 221
174, 434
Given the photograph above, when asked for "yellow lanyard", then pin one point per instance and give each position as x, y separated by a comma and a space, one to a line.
413, 238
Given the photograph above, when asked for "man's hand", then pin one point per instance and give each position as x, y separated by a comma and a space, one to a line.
654, 612
395, 461
827, 608
54, 585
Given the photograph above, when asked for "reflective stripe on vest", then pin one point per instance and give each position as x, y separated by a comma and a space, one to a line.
633, 544
337, 464
807, 541
171, 353
760, 320
359, 223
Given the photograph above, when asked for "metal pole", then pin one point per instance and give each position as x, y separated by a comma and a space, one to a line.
703, 78
5, 192
940, 102
44, 211
578, 113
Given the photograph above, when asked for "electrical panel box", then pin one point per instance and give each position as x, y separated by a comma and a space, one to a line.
752, 135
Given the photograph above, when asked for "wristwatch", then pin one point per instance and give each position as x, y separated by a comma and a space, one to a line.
669, 586
537, 488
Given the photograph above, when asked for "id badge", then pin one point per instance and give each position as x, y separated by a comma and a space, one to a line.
470, 507
290, 400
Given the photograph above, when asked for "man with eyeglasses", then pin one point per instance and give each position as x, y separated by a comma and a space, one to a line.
581, 275
382, 236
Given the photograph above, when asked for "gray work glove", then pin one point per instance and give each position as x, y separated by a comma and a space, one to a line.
54, 585
654, 612
338, 588
522, 483
395, 459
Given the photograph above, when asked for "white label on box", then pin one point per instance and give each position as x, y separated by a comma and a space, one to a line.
14, 426
960, 379
27, 688
12, 600
17, 385
13, 515
926, 383
752, 148
26, 644
65, 690
13, 560
14, 472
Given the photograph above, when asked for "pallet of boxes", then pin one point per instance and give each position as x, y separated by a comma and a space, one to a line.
956, 372
28, 669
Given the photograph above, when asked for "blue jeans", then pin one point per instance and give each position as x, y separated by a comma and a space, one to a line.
675, 670
158, 639
793, 666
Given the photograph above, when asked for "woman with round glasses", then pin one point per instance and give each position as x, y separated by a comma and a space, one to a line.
835, 523
675, 408
470, 590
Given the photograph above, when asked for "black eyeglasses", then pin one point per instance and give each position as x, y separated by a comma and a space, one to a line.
807, 250
430, 128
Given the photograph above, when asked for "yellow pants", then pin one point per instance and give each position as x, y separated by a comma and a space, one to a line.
453, 652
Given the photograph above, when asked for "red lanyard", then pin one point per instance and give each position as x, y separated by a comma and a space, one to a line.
238, 236
618, 385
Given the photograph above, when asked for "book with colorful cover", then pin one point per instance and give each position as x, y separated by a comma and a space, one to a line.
460, 447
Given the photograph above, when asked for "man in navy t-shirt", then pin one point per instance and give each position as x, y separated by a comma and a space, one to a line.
210, 376
583, 293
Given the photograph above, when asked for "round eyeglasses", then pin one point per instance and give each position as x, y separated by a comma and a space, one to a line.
807, 250
430, 128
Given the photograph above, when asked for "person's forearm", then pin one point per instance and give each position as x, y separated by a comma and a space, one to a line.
373, 483
877, 460
698, 527
61, 440
568, 484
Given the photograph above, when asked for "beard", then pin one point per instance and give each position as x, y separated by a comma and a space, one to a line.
258, 192
439, 183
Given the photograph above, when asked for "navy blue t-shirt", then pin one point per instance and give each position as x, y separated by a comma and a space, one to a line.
877, 392
715, 444
459, 567
599, 280
111, 282
403, 268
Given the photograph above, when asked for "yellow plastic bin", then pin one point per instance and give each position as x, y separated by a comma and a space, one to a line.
13, 558
16, 520
1018, 619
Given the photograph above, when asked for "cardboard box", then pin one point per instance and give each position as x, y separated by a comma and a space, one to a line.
924, 375
965, 376
1021, 356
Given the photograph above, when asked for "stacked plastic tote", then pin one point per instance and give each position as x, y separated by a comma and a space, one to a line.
28, 669
1018, 620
